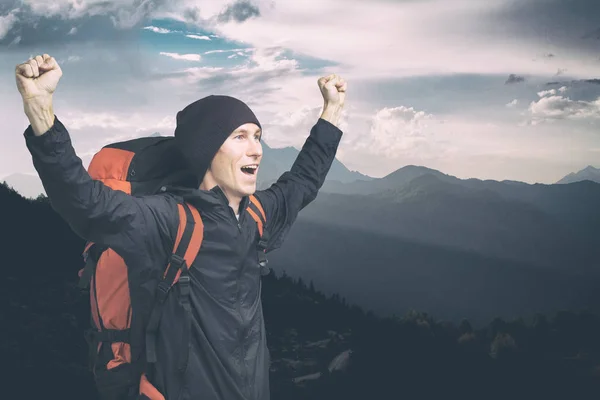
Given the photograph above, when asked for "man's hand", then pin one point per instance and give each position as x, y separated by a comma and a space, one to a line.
37, 79
333, 89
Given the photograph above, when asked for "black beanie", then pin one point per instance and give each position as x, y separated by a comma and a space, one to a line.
204, 125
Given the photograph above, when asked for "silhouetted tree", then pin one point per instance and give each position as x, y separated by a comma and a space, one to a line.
503, 346
465, 326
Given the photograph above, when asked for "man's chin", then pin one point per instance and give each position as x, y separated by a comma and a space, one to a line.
247, 189
250, 191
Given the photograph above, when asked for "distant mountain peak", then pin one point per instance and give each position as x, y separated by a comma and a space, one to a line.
589, 173
413, 169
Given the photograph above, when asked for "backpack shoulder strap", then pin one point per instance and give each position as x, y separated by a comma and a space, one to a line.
257, 212
187, 244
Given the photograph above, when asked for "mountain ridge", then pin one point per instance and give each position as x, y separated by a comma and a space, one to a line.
588, 173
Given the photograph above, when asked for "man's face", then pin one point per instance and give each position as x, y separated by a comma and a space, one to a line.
235, 166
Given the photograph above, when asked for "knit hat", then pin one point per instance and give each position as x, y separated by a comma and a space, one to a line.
204, 125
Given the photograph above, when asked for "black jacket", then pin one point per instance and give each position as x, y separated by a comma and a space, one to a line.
228, 355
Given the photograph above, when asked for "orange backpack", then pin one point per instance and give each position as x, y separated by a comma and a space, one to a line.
124, 323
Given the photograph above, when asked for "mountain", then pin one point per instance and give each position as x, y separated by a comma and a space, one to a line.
537, 223
28, 185
391, 275
588, 173
374, 185
274, 163
321, 346
277, 161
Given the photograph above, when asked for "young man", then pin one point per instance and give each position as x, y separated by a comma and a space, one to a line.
219, 136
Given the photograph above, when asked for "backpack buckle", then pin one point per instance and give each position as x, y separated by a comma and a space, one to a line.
262, 244
184, 290
262, 262
178, 261
262, 259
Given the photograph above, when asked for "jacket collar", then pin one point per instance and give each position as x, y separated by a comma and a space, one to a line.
208, 198
225, 201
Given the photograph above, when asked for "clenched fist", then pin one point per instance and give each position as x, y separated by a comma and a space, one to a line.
333, 89
37, 78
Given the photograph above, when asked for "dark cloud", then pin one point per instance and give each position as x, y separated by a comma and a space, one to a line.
512, 78
239, 11
560, 71
8, 5
108, 23
576, 82
192, 14
33, 31
595, 34
562, 23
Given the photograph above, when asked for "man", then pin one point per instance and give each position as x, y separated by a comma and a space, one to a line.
219, 137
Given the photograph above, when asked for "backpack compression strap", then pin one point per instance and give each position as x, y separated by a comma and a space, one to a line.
91, 255
258, 214
187, 244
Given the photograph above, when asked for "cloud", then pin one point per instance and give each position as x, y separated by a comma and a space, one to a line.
560, 71
265, 72
137, 122
551, 23
512, 78
389, 38
552, 107
125, 14
382, 37
68, 60
239, 11
229, 50
157, 29
35, 30
290, 127
6, 23
512, 103
399, 132
197, 37
42, 22
185, 57
552, 92
92, 130
577, 82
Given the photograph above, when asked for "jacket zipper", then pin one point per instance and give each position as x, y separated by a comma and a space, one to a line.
239, 308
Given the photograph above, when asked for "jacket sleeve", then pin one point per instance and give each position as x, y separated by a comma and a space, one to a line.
93, 210
299, 186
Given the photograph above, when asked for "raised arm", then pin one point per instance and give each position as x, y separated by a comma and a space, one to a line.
298, 187
93, 210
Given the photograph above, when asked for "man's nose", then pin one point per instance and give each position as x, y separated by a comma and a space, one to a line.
255, 149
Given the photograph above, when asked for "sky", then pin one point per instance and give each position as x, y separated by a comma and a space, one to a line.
492, 89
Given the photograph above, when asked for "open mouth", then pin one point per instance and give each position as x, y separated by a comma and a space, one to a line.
250, 169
